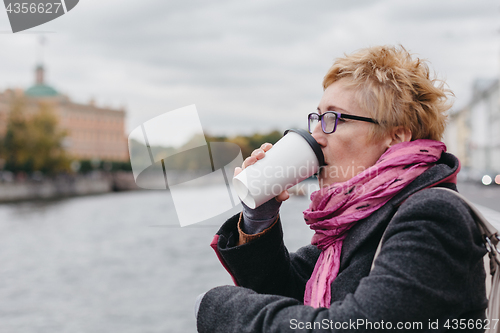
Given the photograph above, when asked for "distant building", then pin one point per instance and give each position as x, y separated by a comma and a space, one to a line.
93, 132
457, 135
473, 133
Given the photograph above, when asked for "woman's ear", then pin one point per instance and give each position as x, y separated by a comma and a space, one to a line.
400, 134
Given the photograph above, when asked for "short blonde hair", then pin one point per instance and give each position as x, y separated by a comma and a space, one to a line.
395, 89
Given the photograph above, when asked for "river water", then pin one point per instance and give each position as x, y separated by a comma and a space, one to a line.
117, 262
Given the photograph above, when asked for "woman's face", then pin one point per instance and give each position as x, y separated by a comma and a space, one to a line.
349, 150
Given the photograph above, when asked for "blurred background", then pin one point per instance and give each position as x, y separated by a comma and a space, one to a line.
82, 249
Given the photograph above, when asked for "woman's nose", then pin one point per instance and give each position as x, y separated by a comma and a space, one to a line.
319, 135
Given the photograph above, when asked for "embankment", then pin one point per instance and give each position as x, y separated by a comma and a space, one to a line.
66, 186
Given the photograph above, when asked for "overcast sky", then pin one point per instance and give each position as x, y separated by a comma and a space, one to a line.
247, 65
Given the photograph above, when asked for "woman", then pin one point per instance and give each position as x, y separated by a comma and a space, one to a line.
379, 123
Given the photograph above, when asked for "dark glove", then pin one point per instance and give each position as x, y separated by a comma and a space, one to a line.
259, 219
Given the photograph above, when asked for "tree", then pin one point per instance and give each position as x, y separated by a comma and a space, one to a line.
34, 142
249, 143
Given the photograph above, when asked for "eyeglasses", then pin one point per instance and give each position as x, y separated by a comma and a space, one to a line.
330, 119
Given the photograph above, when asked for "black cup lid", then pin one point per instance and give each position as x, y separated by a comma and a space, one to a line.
311, 141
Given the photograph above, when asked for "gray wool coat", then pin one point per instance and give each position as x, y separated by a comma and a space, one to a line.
428, 276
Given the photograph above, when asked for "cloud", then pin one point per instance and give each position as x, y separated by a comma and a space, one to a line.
242, 62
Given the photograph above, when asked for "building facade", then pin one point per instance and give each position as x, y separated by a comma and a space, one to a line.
473, 133
92, 132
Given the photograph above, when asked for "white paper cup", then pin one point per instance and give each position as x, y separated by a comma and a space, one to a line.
295, 157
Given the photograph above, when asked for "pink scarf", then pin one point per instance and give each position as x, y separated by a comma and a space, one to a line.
335, 209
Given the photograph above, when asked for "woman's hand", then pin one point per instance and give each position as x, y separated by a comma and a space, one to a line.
256, 155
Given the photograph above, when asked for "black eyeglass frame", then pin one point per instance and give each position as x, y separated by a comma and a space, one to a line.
338, 115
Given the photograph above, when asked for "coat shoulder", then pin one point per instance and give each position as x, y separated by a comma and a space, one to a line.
443, 209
